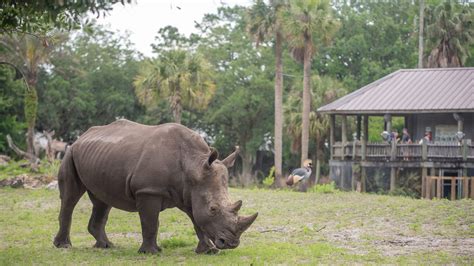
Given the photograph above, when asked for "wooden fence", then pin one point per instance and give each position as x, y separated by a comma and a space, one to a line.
460, 187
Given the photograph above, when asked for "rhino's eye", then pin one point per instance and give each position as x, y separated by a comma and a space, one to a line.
213, 210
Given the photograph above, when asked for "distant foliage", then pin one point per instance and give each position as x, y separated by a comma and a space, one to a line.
41, 15
324, 188
268, 180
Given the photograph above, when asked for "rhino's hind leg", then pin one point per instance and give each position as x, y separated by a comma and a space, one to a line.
149, 208
97, 222
71, 190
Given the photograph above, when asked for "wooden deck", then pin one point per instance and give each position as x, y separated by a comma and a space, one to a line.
430, 152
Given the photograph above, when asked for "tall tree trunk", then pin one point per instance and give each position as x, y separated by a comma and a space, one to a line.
420, 33
247, 164
306, 99
176, 106
278, 111
31, 107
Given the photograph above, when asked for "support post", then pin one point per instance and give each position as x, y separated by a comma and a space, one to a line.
472, 188
363, 176
332, 126
460, 119
393, 178
465, 187
438, 187
388, 121
354, 175
344, 135
424, 174
365, 138
453, 188
359, 126
428, 187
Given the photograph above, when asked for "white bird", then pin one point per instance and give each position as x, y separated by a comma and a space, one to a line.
300, 174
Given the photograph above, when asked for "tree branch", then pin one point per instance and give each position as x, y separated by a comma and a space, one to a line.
30, 157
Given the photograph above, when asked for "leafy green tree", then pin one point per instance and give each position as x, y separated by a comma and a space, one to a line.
183, 77
450, 35
374, 40
241, 111
27, 53
42, 15
11, 105
325, 90
263, 24
308, 25
90, 82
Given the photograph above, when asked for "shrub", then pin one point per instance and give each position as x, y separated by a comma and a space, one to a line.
324, 188
268, 181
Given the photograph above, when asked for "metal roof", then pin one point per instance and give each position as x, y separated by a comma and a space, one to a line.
426, 90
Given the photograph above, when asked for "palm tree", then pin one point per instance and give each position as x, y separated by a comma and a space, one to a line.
420, 33
449, 35
264, 24
27, 53
308, 24
184, 78
325, 91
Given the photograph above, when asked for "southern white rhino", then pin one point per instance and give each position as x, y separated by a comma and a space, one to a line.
147, 169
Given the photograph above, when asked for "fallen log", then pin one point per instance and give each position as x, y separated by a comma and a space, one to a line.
34, 161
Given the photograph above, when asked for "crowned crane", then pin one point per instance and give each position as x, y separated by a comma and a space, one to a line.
300, 174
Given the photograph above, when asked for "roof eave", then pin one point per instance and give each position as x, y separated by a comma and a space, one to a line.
381, 112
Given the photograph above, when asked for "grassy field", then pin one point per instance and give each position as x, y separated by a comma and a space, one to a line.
292, 228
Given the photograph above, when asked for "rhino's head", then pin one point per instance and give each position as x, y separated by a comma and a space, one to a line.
213, 211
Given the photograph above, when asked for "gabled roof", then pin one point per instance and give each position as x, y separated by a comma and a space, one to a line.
428, 90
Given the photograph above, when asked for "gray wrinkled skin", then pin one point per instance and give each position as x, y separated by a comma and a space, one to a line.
147, 169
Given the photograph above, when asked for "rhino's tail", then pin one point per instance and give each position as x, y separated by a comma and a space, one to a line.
70, 185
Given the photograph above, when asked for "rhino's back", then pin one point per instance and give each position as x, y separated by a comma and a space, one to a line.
107, 157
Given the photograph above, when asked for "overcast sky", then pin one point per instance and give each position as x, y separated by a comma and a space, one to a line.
143, 18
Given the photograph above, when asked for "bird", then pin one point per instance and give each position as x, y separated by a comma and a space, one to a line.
300, 174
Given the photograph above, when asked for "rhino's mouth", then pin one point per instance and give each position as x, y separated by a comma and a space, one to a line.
220, 242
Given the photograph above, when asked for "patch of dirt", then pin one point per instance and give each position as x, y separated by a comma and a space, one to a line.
403, 245
31, 182
395, 245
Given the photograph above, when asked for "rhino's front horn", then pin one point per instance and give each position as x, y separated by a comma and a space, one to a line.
245, 222
236, 206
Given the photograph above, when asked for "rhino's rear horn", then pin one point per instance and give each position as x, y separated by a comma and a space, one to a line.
235, 207
229, 161
244, 222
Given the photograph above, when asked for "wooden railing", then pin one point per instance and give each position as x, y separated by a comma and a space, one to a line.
448, 151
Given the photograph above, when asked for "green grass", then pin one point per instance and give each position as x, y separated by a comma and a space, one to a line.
292, 228
16, 168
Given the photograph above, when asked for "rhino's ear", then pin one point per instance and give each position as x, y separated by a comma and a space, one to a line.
229, 161
212, 156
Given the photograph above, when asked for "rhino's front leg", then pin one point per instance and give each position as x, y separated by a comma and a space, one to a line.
149, 208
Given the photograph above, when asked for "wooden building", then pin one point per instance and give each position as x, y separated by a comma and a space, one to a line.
436, 103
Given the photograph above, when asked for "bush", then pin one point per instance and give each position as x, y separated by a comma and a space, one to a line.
268, 181
324, 188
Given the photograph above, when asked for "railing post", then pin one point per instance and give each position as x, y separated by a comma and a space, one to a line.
464, 150
393, 154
